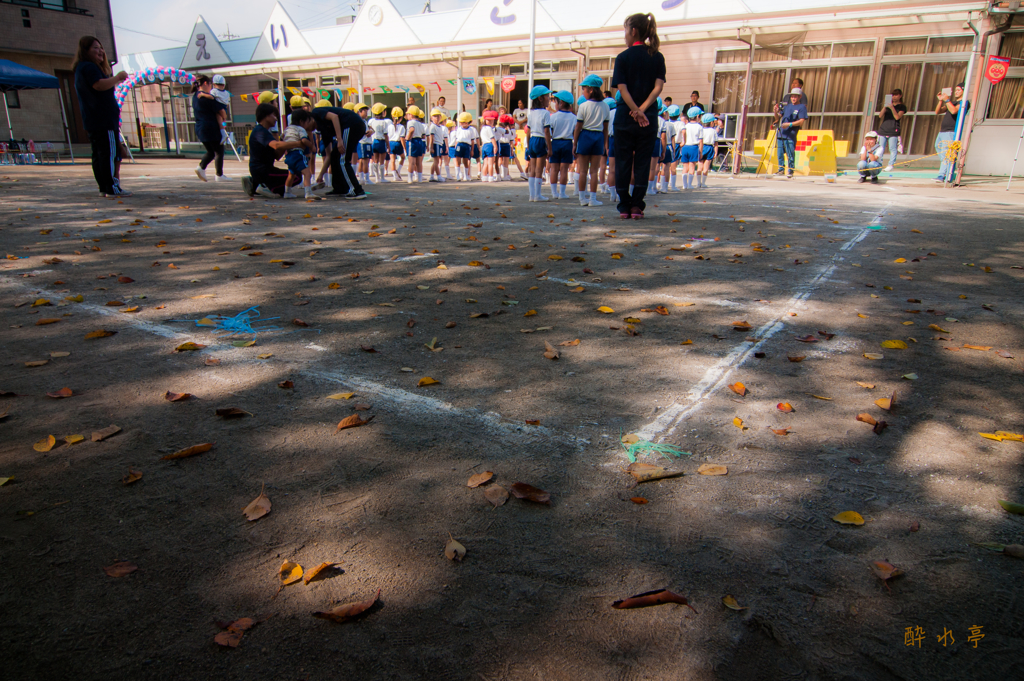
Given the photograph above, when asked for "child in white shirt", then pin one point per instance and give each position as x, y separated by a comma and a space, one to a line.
538, 124
563, 123
396, 143
488, 147
465, 140
689, 139
590, 139
709, 147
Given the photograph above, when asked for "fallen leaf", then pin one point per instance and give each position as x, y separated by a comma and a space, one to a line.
605, 309
59, 354
265, 355
299, 322
453, 550
341, 396
189, 451
59, 394
849, 518
496, 494
873, 355
125, 280
738, 388
46, 444
741, 326
367, 348
936, 327
240, 344
712, 469
984, 348
780, 431
73, 439
232, 634
915, 526
820, 397
521, 490
188, 347
348, 611
426, 380
638, 500
687, 342
894, 345
286, 385
289, 573
37, 363
44, 322
212, 361
1012, 507
549, 351
738, 422
649, 598
869, 386
99, 435
1004, 353
645, 472
886, 403
41, 301
807, 339
866, 418
571, 343
120, 569
730, 602
176, 397
885, 571
230, 412
312, 574
480, 478
353, 421
797, 358
101, 333
133, 476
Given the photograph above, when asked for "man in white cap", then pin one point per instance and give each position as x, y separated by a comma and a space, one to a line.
788, 121
870, 163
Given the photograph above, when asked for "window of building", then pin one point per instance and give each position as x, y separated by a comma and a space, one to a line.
1007, 97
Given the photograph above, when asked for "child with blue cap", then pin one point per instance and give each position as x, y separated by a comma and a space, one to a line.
689, 139
590, 139
538, 127
608, 168
676, 125
709, 147
563, 122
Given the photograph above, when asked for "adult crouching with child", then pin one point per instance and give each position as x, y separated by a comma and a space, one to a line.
639, 76
265, 179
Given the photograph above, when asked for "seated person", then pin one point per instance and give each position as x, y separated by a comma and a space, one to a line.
870, 163
264, 150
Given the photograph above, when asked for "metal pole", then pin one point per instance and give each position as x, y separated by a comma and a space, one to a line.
64, 120
138, 122
1015, 159
8, 112
737, 145
174, 120
280, 101
362, 97
533, 41
961, 113
458, 90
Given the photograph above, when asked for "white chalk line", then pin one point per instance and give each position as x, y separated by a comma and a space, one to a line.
414, 403
716, 377
720, 303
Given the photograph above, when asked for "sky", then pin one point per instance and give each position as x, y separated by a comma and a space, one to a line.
159, 24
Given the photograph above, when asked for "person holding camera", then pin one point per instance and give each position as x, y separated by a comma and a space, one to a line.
949, 106
889, 128
789, 120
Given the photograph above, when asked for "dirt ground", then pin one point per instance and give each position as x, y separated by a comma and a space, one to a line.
532, 598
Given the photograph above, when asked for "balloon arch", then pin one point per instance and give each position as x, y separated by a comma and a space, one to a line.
149, 77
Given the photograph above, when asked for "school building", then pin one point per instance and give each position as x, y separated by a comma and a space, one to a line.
849, 53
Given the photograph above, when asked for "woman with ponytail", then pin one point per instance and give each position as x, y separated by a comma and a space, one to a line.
639, 76
101, 116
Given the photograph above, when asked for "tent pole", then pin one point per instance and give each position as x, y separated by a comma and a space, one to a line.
1008, 181
174, 119
533, 47
8, 112
64, 120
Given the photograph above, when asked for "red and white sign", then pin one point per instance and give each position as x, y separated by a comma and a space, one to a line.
996, 69
508, 83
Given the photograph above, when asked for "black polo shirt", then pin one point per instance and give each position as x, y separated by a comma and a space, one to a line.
638, 69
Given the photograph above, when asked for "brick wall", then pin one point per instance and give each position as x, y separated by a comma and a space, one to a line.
53, 32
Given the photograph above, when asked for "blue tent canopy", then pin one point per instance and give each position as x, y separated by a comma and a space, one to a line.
17, 77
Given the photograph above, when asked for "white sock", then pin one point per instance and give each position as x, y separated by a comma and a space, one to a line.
533, 191
672, 182
686, 180
561, 192
584, 197
651, 187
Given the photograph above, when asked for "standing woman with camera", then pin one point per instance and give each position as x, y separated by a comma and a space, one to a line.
94, 84
206, 109
639, 76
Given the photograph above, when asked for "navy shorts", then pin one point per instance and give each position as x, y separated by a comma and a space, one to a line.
463, 150
561, 151
417, 147
611, 146
504, 150
537, 148
476, 151
657, 149
591, 143
365, 151
380, 147
439, 151
669, 155
296, 161
689, 154
488, 151
396, 149
709, 153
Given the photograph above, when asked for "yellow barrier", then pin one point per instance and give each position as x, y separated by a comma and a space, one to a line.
816, 152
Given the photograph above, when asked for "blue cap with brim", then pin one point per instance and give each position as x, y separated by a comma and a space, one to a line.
674, 111
539, 91
564, 95
707, 118
593, 80
693, 112
580, 100
610, 102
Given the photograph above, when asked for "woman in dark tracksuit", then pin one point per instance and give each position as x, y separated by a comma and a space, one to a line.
639, 76
101, 115
205, 109
341, 130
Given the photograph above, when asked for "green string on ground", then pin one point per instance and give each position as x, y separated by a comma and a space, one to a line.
645, 447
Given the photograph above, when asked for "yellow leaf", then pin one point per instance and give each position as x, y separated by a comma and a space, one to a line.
334, 285
712, 469
317, 570
894, 345
869, 386
103, 222
427, 380
1014, 437
730, 602
205, 321
992, 436
554, 257
185, 347
129, 309
605, 309
475, 263
738, 422
884, 403
289, 573
631, 320
687, 342
900, 260
849, 518
908, 323
75, 299
41, 301
266, 355
341, 396
862, 316
530, 313
442, 266
616, 256
936, 327
45, 445
873, 355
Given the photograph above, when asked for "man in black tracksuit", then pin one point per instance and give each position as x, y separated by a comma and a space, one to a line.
341, 130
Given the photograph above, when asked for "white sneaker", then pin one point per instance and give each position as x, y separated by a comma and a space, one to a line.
522, 176
288, 195
594, 202
888, 169
221, 178
542, 198
584, 197
309, 194
265, 193
201, 174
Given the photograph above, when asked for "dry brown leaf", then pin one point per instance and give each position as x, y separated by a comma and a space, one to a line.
133, 476
480, 478
353, 421
521, 490
289, 573
984, 348
866, 418
496, 494
258, 507
347, 611
212, 361
60, 394
286, 385
103, 434
741, 326
649, 598
453, 550
645, 472
780, 431
190, 451
189, 346
37, 363
885, 571
232, 634
797, 358
48, 320
322, 567
231, 412
549, 351
121, 569
869, 386
712, 469
738, 388
570, 343
176, 397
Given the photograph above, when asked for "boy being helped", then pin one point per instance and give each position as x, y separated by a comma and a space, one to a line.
298, 159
